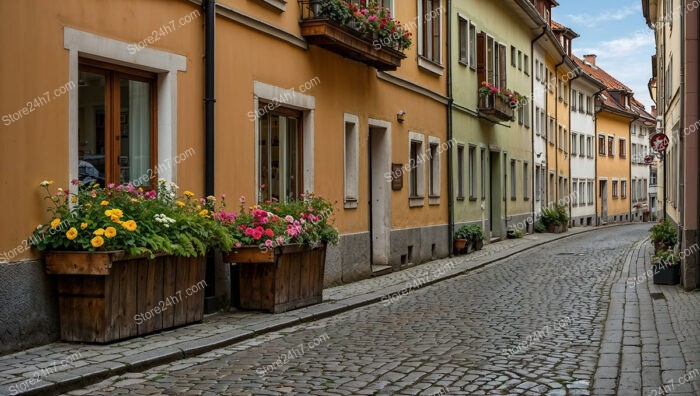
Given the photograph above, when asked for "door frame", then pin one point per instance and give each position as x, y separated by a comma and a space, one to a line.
379, 190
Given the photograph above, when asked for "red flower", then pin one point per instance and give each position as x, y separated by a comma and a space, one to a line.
269, 232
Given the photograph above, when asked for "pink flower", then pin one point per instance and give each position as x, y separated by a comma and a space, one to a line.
110, 185
269, 243
280, 240
242, 199
93, 194
372, 18
238, 244
75, 182
289, 219
119, 188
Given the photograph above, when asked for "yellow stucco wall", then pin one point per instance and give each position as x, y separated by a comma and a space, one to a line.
616, 167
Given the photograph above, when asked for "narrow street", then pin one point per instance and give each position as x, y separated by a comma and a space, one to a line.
531, 324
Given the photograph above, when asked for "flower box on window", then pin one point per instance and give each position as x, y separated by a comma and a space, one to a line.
496, 104
368, 35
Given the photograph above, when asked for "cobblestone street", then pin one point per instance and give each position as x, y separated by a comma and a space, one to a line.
531, 324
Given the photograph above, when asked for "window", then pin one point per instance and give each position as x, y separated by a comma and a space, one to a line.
472, 45
601, 144
611, 146
520, 60
574, 192
463, 41
573, 99
416, 163
526, 60
590, 193
483, 174
526, 111
550, 80
614, 189
116, 124
551, 132
582, 193
589, 146
537, 69
351, 160
543, 123
652, 177
574, 139
623, 148
582, 146
623, 186
560, 88
430, 31
589, 105
280, 154
434, 170
526, 176
634, 190
491, 60
537, 120
565, 140
542, 76
513, 180
521, 115
513, 57
538, 181
472, 172
460, 171
580, 103
560, 137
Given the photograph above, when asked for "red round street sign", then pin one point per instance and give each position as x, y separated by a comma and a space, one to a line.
659, 142
648, 159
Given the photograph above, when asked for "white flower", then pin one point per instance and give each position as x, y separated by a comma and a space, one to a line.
163, 219
45, 183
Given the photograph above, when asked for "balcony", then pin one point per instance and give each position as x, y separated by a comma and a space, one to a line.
495, 108
330, 28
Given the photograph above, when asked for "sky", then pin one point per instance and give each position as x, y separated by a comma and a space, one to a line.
616, 31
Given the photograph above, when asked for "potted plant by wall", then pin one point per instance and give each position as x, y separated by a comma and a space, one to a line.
127, 262
666, 268
280, 251
476, 236
462, 244
562, 217
664, 236
550, 219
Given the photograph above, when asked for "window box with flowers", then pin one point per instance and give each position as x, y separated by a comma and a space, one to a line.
127, 262
365, 32
498, 104
280, 252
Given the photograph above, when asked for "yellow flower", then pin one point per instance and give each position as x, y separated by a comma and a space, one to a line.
129, 225
180, 203
115, 218
55, 223
134, 200
110, 232
140, 189
96, 185
50, 182
204, 213
108, 212
83, 226
189, 194
97, 241
199, 207
114, 212
99, 231
104, 203
72, 233
74, 199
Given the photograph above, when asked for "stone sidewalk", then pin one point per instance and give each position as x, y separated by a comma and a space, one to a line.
651, 343
60, 366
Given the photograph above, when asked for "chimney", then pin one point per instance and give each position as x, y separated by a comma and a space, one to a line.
590, 58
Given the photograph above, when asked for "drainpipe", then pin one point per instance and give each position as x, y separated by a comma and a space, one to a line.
697, 234
534, 156
578, 74
556, 131
450, 172
681, 154
209, 9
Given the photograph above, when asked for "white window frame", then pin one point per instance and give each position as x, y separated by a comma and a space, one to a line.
351, 160
434, 170
418, 167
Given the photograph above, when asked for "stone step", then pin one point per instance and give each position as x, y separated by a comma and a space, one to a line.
379, 270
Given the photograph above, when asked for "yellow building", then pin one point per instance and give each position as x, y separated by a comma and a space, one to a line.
614, 116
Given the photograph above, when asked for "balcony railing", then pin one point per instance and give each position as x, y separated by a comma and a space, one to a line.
495, 108
345, 38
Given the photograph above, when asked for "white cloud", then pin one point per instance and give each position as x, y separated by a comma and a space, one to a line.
621, 48
589, 20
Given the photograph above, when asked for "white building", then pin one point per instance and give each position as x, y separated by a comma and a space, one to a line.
641, 130
583, 163
539, 117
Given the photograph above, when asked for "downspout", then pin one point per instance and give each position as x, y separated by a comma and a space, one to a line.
450, 99
556, 131
209, 9
571, 179
664, 129
534, 156
697, 234
681, 154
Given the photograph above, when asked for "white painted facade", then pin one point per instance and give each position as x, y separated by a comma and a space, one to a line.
583, 165
639, 148
539, 122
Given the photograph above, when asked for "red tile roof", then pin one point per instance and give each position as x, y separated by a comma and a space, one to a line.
611, 82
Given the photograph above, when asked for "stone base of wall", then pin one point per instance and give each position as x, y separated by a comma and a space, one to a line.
349, 260
690, 265
584, 221
29, 308
413, 246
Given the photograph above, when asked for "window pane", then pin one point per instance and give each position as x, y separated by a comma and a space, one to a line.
135, 131
264, 154
91, 128
292, 174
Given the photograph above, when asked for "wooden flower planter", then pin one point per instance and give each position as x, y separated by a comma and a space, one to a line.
109, 296
287, 278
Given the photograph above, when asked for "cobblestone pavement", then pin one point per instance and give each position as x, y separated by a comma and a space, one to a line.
531, 324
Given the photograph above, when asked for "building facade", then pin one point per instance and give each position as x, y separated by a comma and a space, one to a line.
674, 24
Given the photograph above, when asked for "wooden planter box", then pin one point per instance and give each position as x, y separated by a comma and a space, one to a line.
287, 278
495, 109
109, 296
